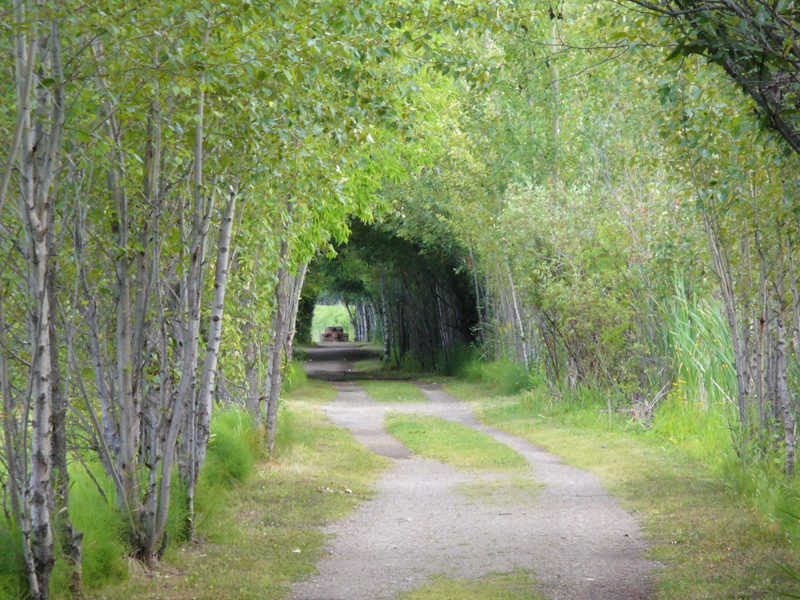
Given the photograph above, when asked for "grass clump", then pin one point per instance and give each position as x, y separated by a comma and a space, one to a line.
103, 526
13, 578
517, 586
233, 449
295, 377
394, 391
453, 443
710, 540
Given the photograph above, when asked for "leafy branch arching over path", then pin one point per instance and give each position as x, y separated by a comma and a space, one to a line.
573, 536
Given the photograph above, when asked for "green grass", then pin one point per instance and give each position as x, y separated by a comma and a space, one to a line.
372, 365
334, 315
266, 534
394, 391
314, 392
455, 444
710, 540
517, 586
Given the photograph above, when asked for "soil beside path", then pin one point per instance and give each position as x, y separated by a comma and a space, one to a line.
572, 534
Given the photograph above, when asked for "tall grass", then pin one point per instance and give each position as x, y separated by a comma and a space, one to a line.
233, 449
13, 580
698, 414
295, 377
506, 377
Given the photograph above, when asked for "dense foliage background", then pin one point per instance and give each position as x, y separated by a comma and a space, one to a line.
599, 197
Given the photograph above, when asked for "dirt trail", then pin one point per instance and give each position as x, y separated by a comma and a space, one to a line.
574, 537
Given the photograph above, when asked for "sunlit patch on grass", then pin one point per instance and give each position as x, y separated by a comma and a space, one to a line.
372, 365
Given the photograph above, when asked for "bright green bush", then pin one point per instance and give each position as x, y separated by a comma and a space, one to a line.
103, 527
233, 448
508, 378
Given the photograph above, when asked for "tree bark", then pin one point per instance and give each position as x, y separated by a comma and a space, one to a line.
209, 372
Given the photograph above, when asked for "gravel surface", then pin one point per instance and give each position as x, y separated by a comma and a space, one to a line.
571, 534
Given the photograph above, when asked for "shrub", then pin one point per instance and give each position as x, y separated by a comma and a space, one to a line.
103, 528
233, 449
508, 378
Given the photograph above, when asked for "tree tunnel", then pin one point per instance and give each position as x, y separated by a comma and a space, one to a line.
417, 300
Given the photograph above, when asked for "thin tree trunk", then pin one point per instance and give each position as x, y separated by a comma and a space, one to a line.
209, 373
387, 341
10, 425
71, 538
40, 144
517, 317
723, 270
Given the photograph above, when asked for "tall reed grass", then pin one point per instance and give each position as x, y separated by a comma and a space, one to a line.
699, 412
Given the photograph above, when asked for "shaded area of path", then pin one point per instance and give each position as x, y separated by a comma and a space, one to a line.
574, 537
334, 361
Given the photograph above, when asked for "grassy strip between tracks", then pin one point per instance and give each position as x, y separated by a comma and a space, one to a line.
517, 586
264, 534
394, 391
455, 444
709, 541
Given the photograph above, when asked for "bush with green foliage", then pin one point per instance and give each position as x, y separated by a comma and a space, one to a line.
508, 378
233, 449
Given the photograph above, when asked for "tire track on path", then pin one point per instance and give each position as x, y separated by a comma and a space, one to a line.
574, 536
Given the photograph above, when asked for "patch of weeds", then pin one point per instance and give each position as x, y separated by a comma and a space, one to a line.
265, 535
394, 391
710, 541
453, 443
518, 491
517, 586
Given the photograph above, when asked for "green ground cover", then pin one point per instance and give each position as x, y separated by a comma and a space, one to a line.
394, 391
455, 444
517, 586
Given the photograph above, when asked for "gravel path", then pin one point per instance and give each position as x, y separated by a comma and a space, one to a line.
574, 537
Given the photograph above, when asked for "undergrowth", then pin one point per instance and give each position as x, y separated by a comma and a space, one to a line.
264, 533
